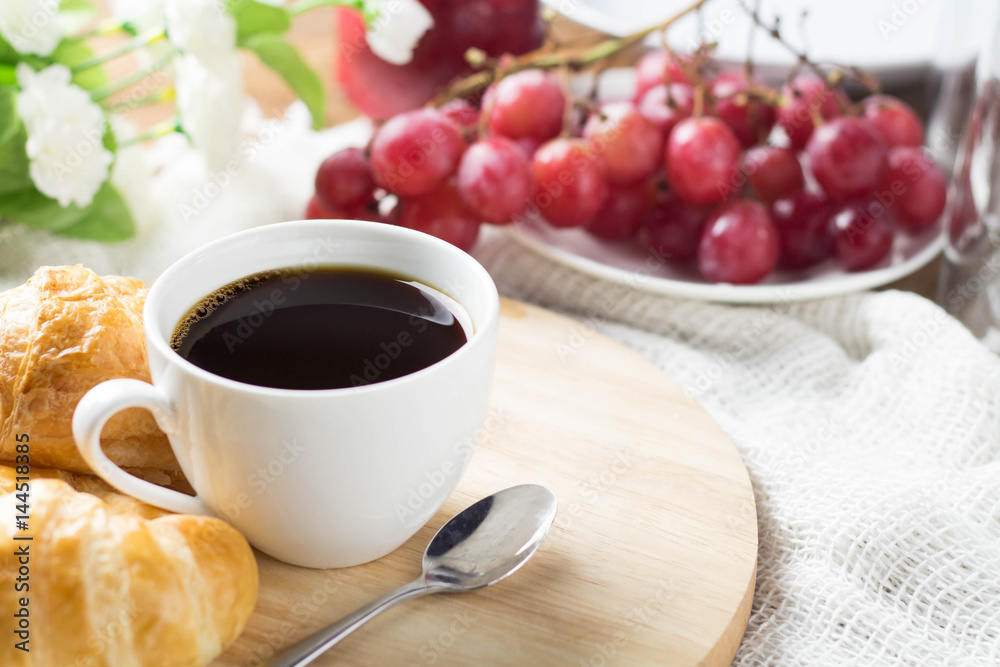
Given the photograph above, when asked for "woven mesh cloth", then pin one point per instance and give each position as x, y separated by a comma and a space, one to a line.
870, 424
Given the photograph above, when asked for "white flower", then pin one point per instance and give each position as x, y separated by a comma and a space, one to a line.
68, 161
210, 103
202, 28
394, 33
145, 15
31, 26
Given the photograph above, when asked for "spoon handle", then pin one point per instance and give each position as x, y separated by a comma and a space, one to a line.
305, 651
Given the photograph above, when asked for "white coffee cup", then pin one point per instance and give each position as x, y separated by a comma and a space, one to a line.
317, 478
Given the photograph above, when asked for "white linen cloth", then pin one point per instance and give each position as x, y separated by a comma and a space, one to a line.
870, 424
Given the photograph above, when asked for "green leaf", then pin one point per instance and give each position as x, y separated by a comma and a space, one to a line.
13, 156
73, 51
10, 123
284, 59
107, 219
31, 207
257, 18
8, 56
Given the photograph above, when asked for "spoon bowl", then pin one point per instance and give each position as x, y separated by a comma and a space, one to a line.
491, 539
485, 543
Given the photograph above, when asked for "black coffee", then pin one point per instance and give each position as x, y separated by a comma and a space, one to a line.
321, 329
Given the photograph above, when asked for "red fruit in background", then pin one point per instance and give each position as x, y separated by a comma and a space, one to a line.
654, 68
702, 160
803, 224
570, 185
368, 210
494, 180
739, 244
848, 159
316, 211
345, 179
665, 106
630, 147
415, 152
672, 228
381, 89
623, 211
895, 120
526, 105
773, 172
862, 234
439, 213
805, 95
919, 189
749, 118
461, 113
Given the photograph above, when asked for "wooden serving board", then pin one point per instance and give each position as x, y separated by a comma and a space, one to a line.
652, 558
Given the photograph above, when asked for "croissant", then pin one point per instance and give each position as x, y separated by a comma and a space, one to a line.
114, 582
63, 332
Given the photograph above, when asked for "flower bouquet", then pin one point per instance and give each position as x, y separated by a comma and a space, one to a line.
61, 133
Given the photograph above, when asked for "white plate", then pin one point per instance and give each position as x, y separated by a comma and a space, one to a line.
895, 40
629, 263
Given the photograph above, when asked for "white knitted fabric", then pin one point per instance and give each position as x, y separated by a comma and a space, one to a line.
870, 424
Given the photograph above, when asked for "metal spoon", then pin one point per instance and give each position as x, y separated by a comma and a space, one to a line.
478, 547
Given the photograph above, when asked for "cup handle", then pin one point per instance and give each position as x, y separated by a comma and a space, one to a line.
92, 413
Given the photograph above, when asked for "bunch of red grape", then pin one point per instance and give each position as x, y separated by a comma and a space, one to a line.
722, 171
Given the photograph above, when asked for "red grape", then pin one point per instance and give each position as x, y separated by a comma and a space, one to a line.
528, 104
630, 146
381, 89
664, 109
896, 122
739, 244
315, 210
461, 113
803, 224
624, 208
805, 95
368, 210
672, 228
528, 146
750, 119
655, 68
919, 187
773, 172
862, 234
345, 179
570, 185
494, 180
440, 213
848, 158
702, 160
415, 152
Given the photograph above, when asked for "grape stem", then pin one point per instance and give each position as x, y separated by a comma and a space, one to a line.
774, 31
546, 59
